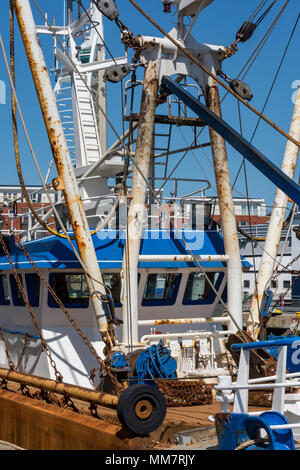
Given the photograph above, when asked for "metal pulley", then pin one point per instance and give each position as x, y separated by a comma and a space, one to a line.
116, 73
108, 8
246, 31
242, 89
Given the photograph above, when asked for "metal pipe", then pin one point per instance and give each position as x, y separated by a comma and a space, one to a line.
183, 258
183, 321
221, 168
66, 180
137, 206
261, 386
79, 393
192, 334
275, 226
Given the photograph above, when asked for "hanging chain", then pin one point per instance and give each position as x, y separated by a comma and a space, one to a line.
129, 41
9, 359
45, 348
26, 344
119, 388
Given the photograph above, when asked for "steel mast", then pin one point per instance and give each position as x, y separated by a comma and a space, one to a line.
66, 180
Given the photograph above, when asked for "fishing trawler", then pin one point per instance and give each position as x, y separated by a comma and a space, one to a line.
130, 287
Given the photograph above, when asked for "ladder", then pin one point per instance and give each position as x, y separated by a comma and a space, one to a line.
87, 123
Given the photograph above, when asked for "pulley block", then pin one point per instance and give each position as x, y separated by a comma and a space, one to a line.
246, 31
242, 89
116, 73
108, 8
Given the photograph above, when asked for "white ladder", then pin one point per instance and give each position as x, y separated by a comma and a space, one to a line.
87, 122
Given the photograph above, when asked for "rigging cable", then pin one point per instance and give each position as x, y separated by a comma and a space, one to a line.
67, 236
259, 120
258, 48
247, 29
17, 154
249, 214
212, 75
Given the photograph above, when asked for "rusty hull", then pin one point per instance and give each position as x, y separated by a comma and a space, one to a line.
35, 425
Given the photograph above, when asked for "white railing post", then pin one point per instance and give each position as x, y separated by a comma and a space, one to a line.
241, 396
279, 393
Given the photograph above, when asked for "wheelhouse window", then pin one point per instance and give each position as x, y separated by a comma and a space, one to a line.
113, 282
198, 290
33, 284
161, 289
17, 295
71, 288
4, 290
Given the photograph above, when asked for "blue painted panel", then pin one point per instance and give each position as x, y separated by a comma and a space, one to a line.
54, 252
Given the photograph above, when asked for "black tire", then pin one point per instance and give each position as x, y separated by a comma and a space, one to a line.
128, 402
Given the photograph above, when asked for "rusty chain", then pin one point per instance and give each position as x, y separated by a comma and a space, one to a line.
26, 344
185, 393
129, 41
45, 348
9, 359
119, 388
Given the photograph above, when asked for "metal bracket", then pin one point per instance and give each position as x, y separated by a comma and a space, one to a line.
58, 184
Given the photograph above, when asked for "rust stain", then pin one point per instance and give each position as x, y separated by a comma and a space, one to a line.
35, 425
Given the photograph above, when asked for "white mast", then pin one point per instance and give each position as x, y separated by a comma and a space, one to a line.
275, 225
66, 178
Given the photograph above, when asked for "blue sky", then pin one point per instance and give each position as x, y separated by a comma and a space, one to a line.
218, 24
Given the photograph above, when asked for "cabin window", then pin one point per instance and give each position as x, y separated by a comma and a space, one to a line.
33, 283
161, 289
17, 295
198, 289
4, 290
71, 288
113, 282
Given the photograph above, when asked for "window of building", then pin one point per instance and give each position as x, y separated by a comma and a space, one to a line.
24, 219
71, 288
286, 284
33, 283
244, 209
198, 289
161, 289
17, 295
273, 284
254, 209
245, 295
4, 290
36, 197
246, 283
8, 196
